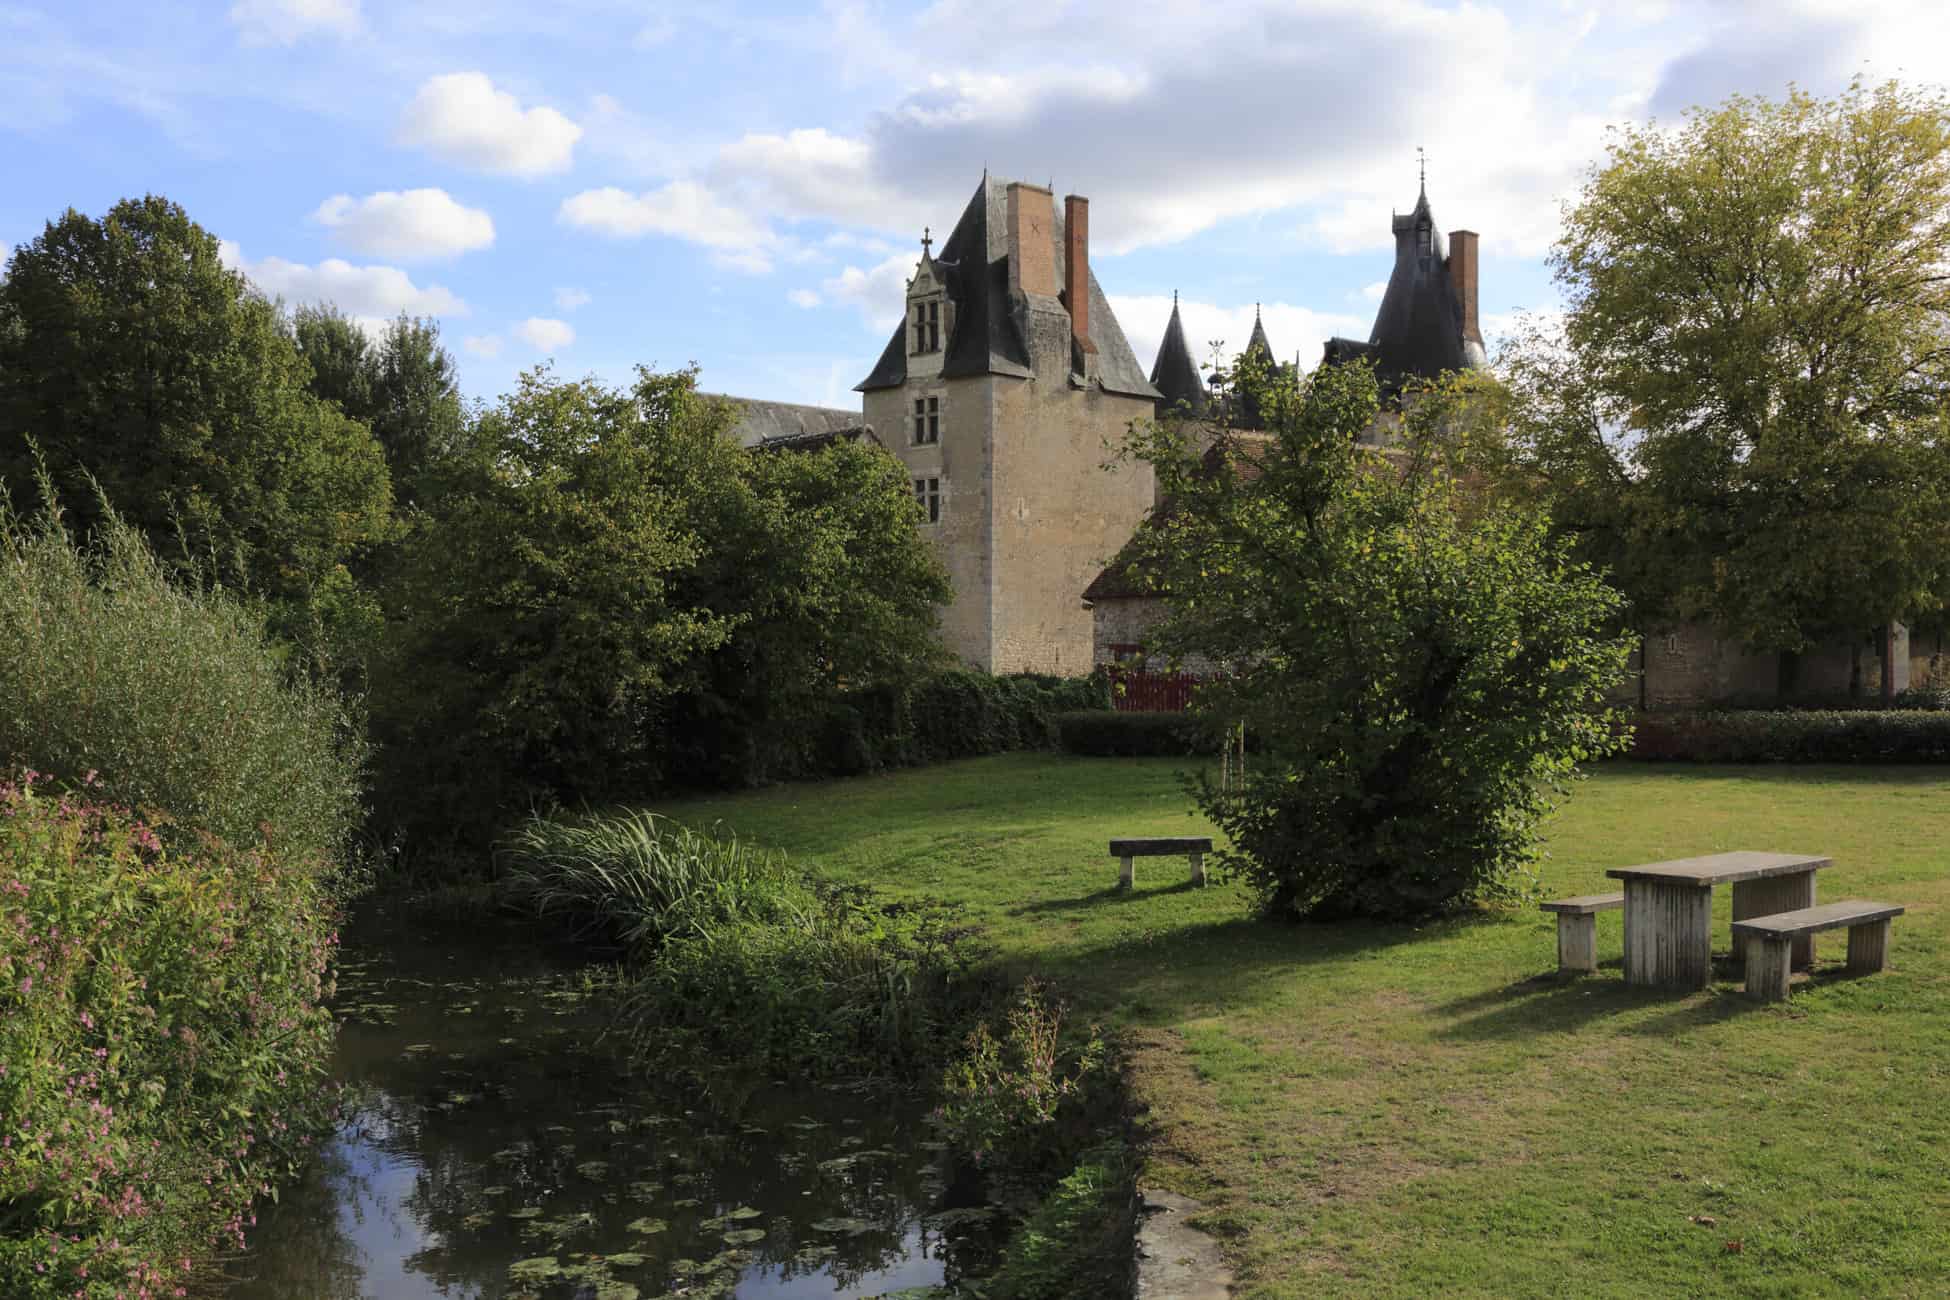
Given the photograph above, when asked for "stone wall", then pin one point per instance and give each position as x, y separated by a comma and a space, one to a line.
1692, 666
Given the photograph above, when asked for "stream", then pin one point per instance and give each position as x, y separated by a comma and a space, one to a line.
492, 1146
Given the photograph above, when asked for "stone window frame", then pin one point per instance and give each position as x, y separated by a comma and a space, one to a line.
926, 325
926, 429
927, 497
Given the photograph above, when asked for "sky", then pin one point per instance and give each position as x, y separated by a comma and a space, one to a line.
601, 184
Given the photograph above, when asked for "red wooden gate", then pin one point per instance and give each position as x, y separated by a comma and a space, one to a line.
1138, 691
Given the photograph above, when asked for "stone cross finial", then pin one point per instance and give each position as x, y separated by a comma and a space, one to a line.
1422, 161
927, 242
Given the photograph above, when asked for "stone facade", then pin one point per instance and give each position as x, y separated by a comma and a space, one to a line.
1693, 665
1006, 412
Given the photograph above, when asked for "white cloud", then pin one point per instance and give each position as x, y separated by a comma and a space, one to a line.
880, 292
285, 22
803, 298
544, 334
682, 209
1290, 328
1373, 292
482, 345
417, 223
568, 299
377, 293
460, 117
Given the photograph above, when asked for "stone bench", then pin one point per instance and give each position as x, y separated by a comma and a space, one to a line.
1770, 941
1127, 850
1577, 928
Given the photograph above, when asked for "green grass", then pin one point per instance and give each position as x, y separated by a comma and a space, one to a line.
1407, 1111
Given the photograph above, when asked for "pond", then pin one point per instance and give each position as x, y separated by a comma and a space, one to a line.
492, 1146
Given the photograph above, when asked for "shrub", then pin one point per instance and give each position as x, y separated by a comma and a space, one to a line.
1793, 736
1078, 1240
1025, 1096
855, 985
1425, 660
637, 878
1104, 734
170, 694
161, 1038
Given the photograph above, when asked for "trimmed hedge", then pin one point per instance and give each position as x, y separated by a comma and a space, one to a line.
1793, 736
1915, 697
1103, 734
954, 714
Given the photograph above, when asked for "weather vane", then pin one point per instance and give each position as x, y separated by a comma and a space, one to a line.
1422, 160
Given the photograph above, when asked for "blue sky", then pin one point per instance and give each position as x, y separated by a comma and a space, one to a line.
743, 185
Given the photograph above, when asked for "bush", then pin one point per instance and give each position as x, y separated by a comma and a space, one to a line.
854, 985
1104, 734
169, 694
161, 1039
1025, 1096
1793, 736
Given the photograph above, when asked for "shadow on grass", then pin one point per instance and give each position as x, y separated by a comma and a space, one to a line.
1163, 976
1556, 1003
1108, 895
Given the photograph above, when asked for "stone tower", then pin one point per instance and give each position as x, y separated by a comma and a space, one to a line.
1000, 391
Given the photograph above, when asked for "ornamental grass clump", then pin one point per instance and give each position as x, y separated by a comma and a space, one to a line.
638, 879
162, 1038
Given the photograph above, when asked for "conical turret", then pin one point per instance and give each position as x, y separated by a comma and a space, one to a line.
1175, 374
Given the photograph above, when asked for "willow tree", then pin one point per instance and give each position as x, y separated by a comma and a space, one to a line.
1743, 414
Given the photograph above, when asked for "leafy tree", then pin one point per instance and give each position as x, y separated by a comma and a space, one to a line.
402, 386
131, 355
1744, 412
816, 555
1422, 662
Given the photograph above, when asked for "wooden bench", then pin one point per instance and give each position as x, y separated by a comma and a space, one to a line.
1127, 850
1577, 928
1770, 941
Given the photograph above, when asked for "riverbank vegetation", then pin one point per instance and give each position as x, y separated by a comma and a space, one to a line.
1404, 1110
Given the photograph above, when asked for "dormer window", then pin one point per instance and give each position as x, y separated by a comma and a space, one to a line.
1424, 238
927, 326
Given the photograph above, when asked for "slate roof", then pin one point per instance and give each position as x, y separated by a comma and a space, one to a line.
974, 262
761, 421
1174, 374
818, 439
1418, 327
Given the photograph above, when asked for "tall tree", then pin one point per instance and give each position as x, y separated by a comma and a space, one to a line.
401, 385
131, 355
1744, 412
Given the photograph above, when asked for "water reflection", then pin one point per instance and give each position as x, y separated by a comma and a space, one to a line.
490, 1150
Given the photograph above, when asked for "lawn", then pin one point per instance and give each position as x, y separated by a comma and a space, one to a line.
1405, 1111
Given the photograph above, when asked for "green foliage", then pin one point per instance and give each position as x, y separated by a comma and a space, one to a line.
1104, 734
162, 1040
1078, 1240
1024, 1096
132, 357
1794, 736
402, 386
169, 693
1424, 665
638, 879
955, 713
1743, 415
614, 595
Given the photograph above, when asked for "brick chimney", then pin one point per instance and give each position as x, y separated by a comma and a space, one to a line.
1462, 275
1032, 241
1076, 268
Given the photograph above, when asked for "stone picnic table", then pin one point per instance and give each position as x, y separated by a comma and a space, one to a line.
1669, 910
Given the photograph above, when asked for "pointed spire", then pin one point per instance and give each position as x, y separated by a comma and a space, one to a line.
1175, 374
1258, 340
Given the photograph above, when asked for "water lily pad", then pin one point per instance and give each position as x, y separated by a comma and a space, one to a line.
851, 1227
415, 1049
526, 1212
594, 1170
625, 1259
538, 1269
744, 1212
614, 1290
645, 1191
687, 1203
496, 1190
646, 1226
744, 1236
475, 1222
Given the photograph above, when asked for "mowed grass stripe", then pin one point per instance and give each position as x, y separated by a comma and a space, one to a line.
1407, 1110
